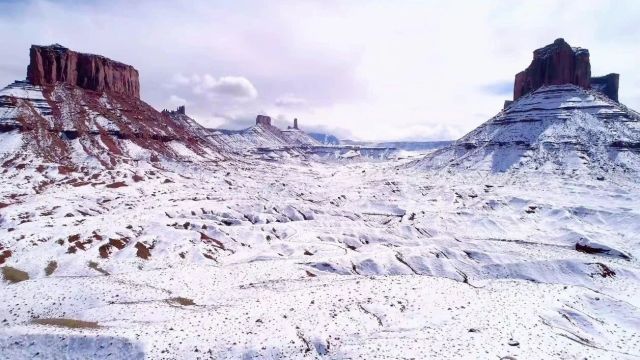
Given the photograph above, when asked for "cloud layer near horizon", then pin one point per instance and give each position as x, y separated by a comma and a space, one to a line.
372, 70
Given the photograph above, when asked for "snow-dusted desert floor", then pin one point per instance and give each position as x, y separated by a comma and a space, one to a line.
318, 260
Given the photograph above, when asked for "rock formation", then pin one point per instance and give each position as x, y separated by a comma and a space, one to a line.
565, 115
71, 96
55, 63
607, 85
263, 120
554, 64
560, 64
179, 111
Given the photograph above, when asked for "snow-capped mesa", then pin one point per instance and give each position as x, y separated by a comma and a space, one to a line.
84, 110
129, 233
561, 120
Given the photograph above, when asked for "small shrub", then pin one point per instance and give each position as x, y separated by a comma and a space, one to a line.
94, 265
68, 323
182, 301
14, 275
51, 267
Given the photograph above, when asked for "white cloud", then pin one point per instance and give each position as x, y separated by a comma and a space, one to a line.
233, 86
290, 100
228, 87
177, 101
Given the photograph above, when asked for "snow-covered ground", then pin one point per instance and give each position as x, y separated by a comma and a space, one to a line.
307, 259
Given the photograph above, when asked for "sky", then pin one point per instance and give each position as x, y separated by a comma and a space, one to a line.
364, 70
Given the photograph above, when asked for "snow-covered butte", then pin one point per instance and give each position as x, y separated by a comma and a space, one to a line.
555, 129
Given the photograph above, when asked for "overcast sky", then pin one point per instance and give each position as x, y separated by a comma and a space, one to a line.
369, 70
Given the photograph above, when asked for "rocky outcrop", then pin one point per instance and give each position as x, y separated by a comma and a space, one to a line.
181, 110
57, 64
607, 85
561, 64
263, 120
554, 64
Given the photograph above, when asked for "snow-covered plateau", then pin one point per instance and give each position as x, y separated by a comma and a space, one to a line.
129, 233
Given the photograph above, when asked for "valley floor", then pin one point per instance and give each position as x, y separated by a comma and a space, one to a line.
362, 260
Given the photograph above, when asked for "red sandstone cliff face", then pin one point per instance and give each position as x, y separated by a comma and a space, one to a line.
263, 120
52, 64
554, 64
607, 85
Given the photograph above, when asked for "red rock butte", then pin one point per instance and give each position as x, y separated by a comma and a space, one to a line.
263, 120
558, 64
57, 64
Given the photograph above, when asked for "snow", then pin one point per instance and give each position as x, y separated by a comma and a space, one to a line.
20, 91
350, 154
324, 260
10, 142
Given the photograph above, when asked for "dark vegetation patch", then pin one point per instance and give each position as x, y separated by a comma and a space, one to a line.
67, 323
14, 275
94, 265
51, 267
182, 301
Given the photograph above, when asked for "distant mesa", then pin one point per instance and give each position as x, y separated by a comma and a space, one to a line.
560, 64
263, 120
53, 64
